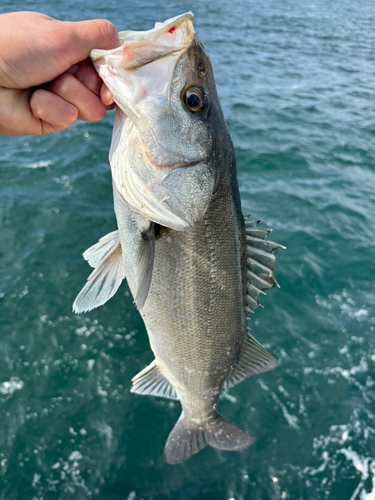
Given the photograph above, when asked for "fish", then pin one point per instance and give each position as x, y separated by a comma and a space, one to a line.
194, 264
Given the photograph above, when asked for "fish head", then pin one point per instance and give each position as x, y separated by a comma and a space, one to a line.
166, 123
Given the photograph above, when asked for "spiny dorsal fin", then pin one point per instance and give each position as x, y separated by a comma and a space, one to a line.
151, 382
253, 359
260, 260
104, 281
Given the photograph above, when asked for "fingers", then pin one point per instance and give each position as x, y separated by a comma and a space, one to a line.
47, 49
87, 35
55, 114
98, 34
85, 100
73, 95
106, 96
15, 115
40, 113
67, 99
87, 75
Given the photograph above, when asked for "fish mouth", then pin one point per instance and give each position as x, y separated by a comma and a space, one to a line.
144, 63
139, 48
169, 26
136, 44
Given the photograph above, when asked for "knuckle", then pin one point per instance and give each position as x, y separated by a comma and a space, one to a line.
36, 102
62, 84
106, 30
97, 113
101, 112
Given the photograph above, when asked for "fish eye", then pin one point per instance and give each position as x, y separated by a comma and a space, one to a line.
196, 100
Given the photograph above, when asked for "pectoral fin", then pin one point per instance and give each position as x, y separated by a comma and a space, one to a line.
145, 264
104, 281
105, 246
137, 237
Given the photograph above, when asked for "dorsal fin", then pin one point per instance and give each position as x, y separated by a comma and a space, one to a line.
260, 260
253, 359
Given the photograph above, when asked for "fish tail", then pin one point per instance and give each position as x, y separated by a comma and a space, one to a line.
187, 438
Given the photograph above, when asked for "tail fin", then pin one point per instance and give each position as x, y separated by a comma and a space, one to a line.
187, 439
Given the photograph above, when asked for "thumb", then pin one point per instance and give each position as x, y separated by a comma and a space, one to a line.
85, 36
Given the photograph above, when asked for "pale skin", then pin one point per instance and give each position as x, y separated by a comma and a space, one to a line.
46, 79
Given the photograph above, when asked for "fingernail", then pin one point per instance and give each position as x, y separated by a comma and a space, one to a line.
108, 97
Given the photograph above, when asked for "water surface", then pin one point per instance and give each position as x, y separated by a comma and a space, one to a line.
296, 82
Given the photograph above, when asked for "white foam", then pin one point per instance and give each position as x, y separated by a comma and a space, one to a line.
340, 441
75, 455
9, 387
364, 465
345, 303
291, 419
36, 480
39, 164
90, 363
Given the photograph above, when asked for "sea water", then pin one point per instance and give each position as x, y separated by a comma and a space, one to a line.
296, 82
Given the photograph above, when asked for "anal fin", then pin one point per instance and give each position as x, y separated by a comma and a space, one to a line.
253, 359
151, 382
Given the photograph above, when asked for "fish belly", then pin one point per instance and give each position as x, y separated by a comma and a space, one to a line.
194, 313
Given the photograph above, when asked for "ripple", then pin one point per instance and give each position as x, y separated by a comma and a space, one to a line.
295, 81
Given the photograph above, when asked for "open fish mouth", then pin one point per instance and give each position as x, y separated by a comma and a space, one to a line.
118, 67
136, 44
159, 176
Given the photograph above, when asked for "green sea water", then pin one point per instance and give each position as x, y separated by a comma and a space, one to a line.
297, 86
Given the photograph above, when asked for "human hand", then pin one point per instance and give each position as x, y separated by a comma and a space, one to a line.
46, 80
